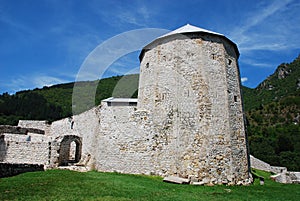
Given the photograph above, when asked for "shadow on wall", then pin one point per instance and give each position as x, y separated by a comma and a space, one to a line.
3, 149
8, 169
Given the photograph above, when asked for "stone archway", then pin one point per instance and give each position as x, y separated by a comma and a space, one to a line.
70, 150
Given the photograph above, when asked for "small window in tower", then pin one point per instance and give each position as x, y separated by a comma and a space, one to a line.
229, 62
147, 65
213, 56
235, 98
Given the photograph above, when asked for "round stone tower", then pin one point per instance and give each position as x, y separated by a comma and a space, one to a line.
190, 86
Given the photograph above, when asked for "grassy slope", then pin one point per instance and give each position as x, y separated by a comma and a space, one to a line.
68, 185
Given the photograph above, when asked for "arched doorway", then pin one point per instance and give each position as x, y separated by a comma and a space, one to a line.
70, 150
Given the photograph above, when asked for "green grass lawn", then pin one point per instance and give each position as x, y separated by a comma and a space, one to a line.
69, 185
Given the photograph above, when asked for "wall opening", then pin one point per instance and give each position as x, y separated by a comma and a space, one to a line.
72, 153
70, 150
3, 148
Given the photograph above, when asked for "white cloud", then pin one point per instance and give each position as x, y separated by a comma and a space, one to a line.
124, 14
270, 27
25, 82
257, 64
46, 80
244, 79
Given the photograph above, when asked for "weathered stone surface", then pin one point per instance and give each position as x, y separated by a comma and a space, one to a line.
287, 177
185, 82
259, 164
24, 149
176, 180
282, 174
41, 125
19, 130
201, 183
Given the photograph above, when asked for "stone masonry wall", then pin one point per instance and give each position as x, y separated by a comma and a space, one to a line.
195, 77
27, 149
259, 164
124, 145
238, 141
86, 126
19, 130
43, 125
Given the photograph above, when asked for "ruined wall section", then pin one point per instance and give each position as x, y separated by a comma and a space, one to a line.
42, 125
85, 126
8, 169
26, 149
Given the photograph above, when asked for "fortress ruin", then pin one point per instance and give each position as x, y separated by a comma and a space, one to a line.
187, 122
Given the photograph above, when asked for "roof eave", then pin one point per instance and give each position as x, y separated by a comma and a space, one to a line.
168, 35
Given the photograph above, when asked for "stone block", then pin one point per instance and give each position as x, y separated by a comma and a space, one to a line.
201, 183
176, 180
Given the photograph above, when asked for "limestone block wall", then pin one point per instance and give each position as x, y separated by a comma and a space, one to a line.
27, 149
85, 126
238, 140
128, 142
19, 130
190, 85
43, 125
259, 164
276, 169
122, 143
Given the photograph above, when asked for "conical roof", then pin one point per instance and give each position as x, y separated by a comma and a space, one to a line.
189, 29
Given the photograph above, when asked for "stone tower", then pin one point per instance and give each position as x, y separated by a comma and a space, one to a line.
190, 84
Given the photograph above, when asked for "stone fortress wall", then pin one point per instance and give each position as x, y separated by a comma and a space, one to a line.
29, 149
188, 121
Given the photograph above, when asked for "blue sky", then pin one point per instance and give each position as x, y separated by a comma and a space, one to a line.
45, 42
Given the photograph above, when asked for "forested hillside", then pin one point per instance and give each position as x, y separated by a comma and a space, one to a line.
272, 109
273, 117
55, 102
